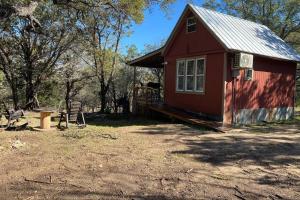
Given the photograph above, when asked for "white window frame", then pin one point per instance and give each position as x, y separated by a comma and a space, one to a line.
177, 75
195, 75
200, 75
193, 24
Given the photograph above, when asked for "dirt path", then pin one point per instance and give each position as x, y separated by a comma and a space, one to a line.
151, 161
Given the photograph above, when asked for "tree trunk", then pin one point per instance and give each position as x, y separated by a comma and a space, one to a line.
15, 97
31, 97
29, 93
103, 93
114, 96
67, 96
13, 84
126, 105
103, 101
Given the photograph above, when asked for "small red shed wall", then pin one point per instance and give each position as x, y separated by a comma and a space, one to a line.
273, 86
196, 44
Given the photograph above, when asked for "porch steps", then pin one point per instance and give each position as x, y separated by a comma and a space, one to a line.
188, 118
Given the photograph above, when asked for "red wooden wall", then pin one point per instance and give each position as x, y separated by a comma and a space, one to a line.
186, 45
273, 85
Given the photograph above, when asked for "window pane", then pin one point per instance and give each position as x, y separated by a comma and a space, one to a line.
191, 21
180, 83
200, 67
191, 24
248, 74
199, 83
190, 67
191, 28
181, 68
190, 83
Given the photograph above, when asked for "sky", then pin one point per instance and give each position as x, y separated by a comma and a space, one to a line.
157, 25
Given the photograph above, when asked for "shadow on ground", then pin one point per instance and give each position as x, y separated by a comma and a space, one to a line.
257, 149
120, 120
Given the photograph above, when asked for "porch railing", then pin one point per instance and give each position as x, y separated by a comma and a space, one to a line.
147, 96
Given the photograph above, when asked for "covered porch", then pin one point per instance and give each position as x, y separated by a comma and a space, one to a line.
148, 94
149, 97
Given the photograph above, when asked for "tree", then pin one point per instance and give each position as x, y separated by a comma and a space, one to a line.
104, 27
9, 65
37, 54
105, 41
9, 8
4, 89
42, 31
122, 85
26, 8
73, 74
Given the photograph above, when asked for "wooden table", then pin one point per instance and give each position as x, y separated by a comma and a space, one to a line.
45, 119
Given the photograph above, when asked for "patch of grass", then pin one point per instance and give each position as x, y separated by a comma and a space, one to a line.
90, 132
74, 135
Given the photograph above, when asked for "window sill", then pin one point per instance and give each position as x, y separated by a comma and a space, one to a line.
187, 32
190, 92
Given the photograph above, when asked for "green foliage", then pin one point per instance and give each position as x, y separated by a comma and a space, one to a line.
33, 54
4, 90
89, 95
34, 60
2, 79
51, 94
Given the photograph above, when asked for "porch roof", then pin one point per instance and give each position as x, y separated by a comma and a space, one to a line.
153, 59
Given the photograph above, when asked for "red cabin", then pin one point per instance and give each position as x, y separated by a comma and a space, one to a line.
226, 68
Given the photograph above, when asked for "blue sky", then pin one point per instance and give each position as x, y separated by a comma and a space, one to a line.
157, 25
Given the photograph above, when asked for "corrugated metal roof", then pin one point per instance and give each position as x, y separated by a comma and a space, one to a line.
245, 36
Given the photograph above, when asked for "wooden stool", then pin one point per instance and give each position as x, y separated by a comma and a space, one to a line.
45, 119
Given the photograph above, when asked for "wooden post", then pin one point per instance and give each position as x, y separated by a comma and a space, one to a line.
83, 120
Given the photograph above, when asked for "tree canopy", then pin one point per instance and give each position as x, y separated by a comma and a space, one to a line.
66, 42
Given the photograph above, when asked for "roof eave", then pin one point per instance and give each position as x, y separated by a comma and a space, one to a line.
152, 53
267, 56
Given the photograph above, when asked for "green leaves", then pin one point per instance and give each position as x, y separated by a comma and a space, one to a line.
35, 45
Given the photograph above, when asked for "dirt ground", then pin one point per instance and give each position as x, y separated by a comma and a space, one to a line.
144, 159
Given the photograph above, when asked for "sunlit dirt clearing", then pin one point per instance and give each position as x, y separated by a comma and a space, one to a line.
144, 159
